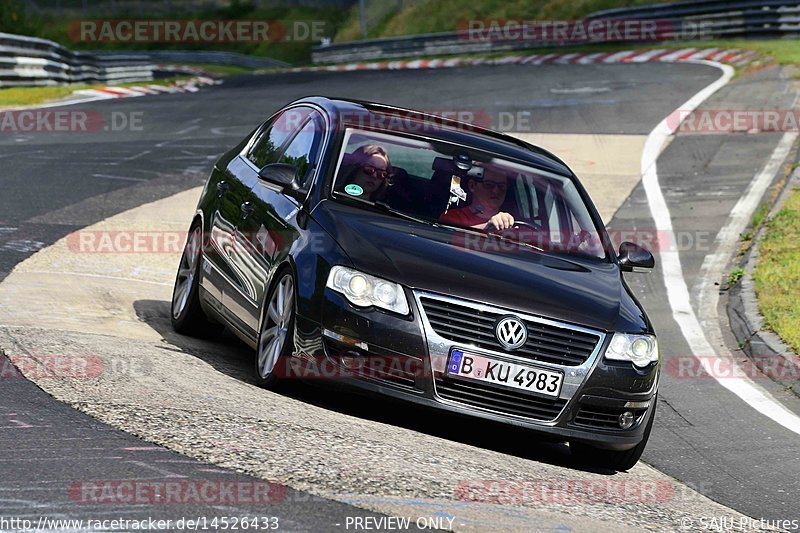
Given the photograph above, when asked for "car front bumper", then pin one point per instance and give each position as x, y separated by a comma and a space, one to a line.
406, 359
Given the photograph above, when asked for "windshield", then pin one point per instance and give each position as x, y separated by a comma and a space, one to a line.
463, 187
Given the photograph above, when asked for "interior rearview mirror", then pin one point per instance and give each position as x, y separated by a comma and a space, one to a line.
634, 258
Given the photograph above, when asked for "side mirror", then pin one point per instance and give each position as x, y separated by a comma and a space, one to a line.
287, 176
634, 258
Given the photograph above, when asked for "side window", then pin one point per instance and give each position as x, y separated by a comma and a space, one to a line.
274, 136
303, 150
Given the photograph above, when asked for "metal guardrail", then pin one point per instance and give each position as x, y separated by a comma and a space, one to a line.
696, 20
28, 61
718, 18
200, 56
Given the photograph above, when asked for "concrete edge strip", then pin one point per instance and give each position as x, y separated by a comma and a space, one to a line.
182, 86
83, 96
677, 289
744, 304
625, 56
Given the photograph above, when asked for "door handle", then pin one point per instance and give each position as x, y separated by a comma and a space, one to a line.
247, 208
222, 188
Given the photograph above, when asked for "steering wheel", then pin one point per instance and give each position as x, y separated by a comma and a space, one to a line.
521, 224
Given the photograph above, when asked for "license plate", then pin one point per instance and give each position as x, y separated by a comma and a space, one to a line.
524, 377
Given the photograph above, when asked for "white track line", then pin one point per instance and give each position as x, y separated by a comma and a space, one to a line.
675, 283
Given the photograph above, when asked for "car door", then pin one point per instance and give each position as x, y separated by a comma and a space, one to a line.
258, 226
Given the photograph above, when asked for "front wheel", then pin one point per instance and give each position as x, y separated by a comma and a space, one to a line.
187, 315
276, 338
613, 459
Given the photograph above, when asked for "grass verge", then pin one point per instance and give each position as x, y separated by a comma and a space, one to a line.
216, 69
431, 16
771, 51
25, 96
777, 273
28, 96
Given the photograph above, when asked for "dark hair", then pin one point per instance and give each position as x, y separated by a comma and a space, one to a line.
359, 157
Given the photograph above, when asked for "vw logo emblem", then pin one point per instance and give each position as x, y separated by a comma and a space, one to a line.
511, 332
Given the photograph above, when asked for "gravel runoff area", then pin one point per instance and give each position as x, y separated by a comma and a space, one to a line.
197, 397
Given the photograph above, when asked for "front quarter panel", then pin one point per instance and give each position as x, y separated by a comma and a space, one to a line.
313, 255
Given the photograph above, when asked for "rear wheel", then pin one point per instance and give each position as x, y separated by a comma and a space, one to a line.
613, 459
276, 338
188, 317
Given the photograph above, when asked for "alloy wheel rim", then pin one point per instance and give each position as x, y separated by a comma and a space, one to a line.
275, 327
186, 273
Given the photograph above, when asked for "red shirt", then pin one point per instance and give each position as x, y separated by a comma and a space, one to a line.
462, 216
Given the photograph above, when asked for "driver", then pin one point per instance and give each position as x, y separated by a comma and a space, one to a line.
484, 211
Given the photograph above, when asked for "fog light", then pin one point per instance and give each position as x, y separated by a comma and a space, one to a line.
626, 420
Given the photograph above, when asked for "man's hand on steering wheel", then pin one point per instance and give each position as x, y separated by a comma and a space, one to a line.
526, 225
500, 221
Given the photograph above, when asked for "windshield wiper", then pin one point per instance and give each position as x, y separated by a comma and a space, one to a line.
512, 240
383, 206
493, 234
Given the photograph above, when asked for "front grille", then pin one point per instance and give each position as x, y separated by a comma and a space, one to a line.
502, 400
604, 417
548, 343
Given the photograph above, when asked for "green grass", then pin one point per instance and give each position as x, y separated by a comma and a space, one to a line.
28, 96
777, 273
776, 50
420, 16
783, 51
759, 216
13, 19
735, 275
431, 16
159, 81
220, 70
24, 96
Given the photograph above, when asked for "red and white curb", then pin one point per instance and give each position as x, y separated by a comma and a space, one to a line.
732, 57
181, 86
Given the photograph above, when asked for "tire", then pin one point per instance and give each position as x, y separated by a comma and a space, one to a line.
276, 335
187, 315
612, 459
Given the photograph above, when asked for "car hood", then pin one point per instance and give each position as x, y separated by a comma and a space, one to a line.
485, 269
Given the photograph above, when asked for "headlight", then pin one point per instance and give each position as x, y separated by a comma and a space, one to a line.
364, 290
641, 350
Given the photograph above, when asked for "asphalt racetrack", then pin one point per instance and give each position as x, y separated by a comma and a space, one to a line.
341, 455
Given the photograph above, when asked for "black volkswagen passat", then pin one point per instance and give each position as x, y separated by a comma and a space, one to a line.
429, 260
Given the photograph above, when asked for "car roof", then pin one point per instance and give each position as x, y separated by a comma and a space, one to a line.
360, 113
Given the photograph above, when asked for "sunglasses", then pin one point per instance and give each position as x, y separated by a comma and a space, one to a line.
492, 185
369, 170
